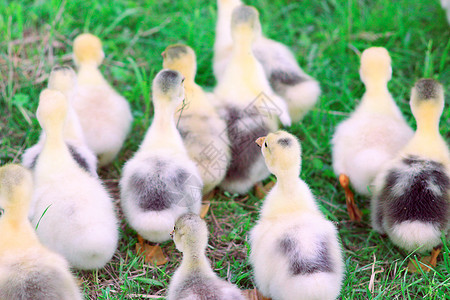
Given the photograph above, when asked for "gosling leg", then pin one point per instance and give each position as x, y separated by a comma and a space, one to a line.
352, 209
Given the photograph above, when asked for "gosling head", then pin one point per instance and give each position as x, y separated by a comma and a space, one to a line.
245, 23
15, 187
190, 233
282, 153
427, 99
180, 58
375, 66
168, 88
87, 48
63, 79
52, 110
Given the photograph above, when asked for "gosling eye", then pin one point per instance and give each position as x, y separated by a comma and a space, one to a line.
1, 211
265, 144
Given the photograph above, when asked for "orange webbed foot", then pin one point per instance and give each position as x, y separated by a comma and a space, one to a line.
425, 262
353, 210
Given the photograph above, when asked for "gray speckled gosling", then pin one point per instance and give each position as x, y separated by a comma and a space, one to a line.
194, 279
295, 251
412, 191
248, 104
285, 76
203, 131
161, 182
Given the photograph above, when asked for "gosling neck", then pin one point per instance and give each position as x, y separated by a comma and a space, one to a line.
163, 128
243, 66
163, 119
223, 42
427, 120
225, 10
290, 194
242, 47
194, 259
89, 74
377, 88
72, 128
378, 99
189, 81
54, 138
196, 100
189, 98
242, 43
190, 88
17, 211
227, 5
188, 71
287, 179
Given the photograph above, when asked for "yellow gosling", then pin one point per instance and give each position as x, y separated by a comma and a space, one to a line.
28, 270
74, 211
287, 79
63, 79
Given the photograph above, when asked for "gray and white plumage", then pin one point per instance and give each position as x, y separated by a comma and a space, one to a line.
160, 182
247, 164
286, 77
194, 279
295, 252
35, 274
202, 129
411, 203
248, 105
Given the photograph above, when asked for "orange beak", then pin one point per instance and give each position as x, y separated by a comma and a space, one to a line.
171, 233
260, 141
163, 54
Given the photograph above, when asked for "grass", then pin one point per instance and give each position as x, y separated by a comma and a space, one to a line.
326, 36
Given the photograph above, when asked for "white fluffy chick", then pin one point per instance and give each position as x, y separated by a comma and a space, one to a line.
374, 132
105, 116
72, 211
63, 79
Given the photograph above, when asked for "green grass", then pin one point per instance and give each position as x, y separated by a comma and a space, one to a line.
326, 36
